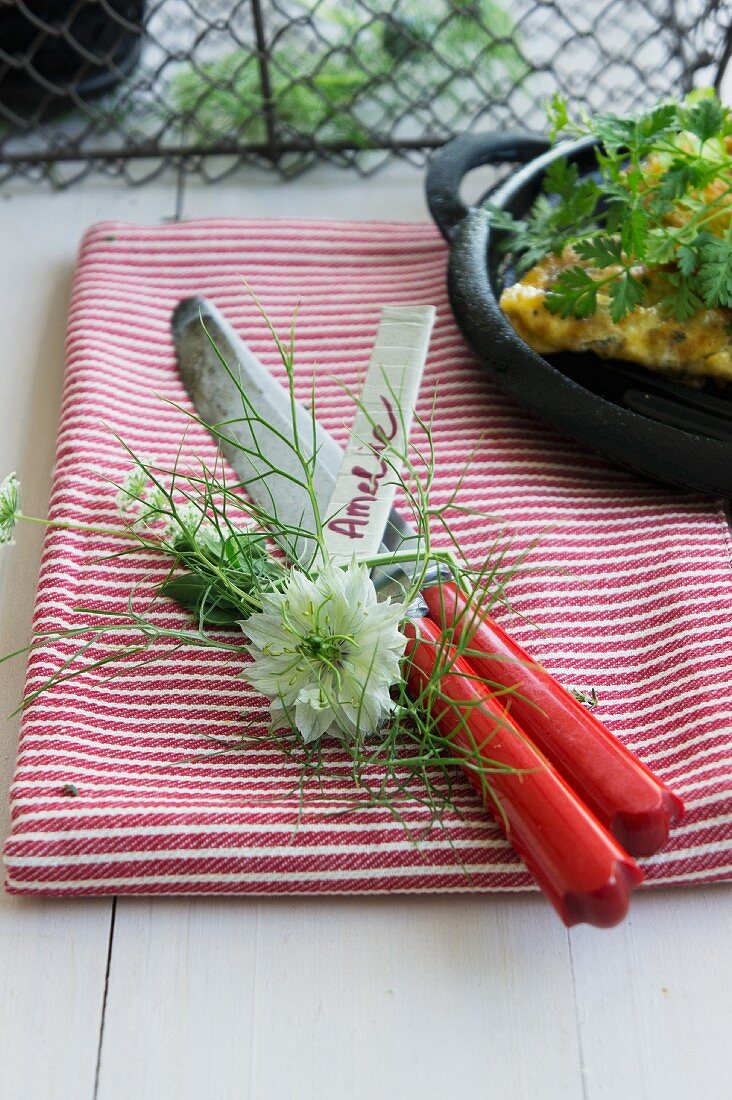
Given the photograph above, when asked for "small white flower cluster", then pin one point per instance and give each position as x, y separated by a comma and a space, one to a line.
326, 653
9, 508
132, 491
139, 499
190, 521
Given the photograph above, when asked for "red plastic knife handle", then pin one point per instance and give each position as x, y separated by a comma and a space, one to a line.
580, 867
622, 792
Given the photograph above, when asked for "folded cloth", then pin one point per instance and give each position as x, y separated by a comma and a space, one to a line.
119, 786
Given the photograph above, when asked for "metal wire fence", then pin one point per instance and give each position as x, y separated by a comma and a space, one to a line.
127, 87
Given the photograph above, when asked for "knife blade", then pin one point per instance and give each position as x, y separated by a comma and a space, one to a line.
219, 401
254, 417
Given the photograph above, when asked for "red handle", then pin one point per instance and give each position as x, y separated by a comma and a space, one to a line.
581, 868
621, 791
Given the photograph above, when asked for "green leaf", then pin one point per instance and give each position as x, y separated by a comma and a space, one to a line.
637, 204
579, 213
245, 550
574, 294
599, 251
561, 178
501, 219
679, 178
714, 277
196, 594
656, 122
558, 115
616, 210
684, 302
634, 233
626, 294
247, 566
705, 118
543, 214
530, 257
612, 130
660, 247
687, 259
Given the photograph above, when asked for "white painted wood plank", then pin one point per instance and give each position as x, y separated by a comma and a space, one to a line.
394, 194
328, 998
53, 954
653, 997
52, 967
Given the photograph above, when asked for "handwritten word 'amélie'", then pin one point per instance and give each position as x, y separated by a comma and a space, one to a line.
357, 512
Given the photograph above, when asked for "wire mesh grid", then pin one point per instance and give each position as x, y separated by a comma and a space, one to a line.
127, 87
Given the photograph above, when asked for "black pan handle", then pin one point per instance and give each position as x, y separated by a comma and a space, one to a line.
450, 164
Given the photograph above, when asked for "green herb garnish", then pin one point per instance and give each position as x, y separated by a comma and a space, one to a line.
661, 199
588, 699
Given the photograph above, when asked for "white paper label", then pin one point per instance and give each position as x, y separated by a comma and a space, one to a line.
363, 495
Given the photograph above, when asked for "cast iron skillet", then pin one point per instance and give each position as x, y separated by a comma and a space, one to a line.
660, 429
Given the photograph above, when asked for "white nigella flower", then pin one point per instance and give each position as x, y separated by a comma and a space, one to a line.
326, 652
9, 508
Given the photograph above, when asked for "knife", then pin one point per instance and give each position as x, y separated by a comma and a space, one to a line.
547, 816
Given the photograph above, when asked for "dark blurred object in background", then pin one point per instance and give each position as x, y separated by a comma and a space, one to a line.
55, 54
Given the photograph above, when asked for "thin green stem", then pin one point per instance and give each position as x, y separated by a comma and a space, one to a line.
87, 528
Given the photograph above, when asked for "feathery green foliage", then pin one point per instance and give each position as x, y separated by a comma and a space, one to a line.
661, 199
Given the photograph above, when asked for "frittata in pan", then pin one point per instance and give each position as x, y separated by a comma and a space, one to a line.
698, 348
633, 262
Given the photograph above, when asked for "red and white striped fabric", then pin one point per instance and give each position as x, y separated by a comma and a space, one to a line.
634, 597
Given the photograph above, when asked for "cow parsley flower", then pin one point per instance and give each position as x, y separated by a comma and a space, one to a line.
146, 504
9, 508
326, 653
131, 490
141, 500
190, 524
156, 501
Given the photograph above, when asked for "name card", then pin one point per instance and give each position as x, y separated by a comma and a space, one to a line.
363, 495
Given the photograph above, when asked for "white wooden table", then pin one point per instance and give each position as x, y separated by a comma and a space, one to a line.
227, 999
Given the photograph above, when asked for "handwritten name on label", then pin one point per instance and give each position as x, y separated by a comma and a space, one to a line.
358, 509
363, 494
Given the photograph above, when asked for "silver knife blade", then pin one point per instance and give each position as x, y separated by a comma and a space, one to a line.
228, 397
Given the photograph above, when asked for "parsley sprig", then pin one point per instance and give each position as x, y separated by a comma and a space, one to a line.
661, 199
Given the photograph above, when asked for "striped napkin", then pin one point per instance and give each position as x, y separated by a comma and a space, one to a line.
628, 591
